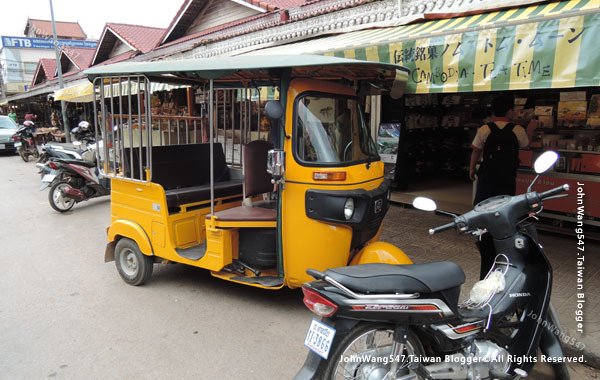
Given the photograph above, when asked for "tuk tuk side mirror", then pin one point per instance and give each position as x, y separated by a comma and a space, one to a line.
274, 110
276, 164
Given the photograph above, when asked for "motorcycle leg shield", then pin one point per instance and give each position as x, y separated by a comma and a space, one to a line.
550, 342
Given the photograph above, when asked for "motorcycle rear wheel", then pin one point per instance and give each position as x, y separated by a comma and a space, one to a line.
364, 354
58, 201
23, 155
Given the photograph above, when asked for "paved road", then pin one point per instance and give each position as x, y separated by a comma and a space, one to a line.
65, 314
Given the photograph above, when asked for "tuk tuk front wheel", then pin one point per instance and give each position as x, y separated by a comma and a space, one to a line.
133, 266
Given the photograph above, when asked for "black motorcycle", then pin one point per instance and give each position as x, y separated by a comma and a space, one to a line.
383, 321
25, 141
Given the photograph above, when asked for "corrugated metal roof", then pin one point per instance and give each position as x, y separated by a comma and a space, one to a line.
119, 58
82, 58
63, 28
45, 70
143, 38
191, 8
214, 29
49, 66
271, 5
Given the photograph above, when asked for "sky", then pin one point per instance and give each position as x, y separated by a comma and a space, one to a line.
91, 14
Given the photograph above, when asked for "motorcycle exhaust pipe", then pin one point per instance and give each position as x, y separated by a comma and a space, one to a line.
74, 193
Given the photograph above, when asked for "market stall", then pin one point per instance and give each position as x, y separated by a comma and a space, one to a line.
544, 55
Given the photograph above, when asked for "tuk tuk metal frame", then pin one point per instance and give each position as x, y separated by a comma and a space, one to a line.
225, 80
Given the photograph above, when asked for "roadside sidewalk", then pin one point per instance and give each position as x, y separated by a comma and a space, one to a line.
408, 229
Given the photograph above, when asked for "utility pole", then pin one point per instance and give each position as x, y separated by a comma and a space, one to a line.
61, 84
2, 93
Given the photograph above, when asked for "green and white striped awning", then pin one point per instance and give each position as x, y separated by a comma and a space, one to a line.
541, 46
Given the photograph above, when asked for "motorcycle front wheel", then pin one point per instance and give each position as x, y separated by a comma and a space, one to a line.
57, 198
365, 353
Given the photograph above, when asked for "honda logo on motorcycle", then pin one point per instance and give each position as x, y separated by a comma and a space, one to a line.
378, 205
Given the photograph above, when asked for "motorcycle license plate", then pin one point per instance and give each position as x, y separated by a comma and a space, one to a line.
319, 338
47, 181
18, 144
49, 178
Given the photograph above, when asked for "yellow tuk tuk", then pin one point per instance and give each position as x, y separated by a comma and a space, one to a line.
212, 193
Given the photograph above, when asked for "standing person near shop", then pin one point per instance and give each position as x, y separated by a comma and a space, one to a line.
55, 119
497, 145
12, 114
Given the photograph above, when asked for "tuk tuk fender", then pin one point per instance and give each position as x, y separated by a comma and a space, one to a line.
381, 253
127, 229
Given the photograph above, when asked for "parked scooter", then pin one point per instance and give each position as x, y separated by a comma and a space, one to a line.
383, 321
24, 141
74, 180
80, 180
83, 148
83, 138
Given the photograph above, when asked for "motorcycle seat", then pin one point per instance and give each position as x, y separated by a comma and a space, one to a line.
72, 148
388, 278
88, 164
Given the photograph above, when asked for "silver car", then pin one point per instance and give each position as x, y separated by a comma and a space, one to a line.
7, 129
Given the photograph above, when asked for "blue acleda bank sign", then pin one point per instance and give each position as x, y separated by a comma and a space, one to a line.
43, 43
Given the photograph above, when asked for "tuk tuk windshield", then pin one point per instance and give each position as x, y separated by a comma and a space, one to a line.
331, 129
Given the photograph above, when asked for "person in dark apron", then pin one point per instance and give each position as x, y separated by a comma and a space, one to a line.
497, 145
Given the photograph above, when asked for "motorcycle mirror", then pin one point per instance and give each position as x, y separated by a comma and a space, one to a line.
541, 164
425, 204
545, 161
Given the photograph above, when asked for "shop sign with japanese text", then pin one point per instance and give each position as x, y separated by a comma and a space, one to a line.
554, 53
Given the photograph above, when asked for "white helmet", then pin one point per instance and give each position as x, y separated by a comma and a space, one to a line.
84, 125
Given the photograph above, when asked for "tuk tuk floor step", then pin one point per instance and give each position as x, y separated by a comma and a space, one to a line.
193, 253
270, 281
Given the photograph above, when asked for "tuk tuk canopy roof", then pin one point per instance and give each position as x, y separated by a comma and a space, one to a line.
258, 70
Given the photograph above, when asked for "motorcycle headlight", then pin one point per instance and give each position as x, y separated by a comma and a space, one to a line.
349, 208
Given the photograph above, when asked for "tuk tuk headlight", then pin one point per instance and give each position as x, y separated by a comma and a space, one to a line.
349, 208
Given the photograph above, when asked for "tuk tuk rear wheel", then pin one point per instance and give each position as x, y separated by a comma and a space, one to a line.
133, 266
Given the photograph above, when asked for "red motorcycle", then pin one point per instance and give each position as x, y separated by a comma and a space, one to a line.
79, 180
24, 141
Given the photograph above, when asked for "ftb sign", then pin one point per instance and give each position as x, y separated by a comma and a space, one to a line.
43, 43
